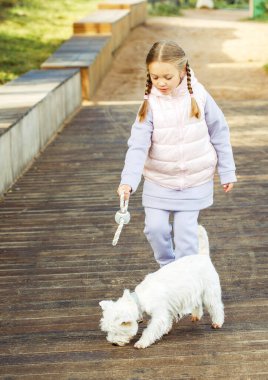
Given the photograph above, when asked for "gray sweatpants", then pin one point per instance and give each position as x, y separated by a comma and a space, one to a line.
158, 232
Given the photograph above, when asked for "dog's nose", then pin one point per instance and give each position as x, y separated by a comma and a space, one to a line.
114, 344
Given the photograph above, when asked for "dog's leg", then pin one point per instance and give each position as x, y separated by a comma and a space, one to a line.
158, 326
217, 315
214, 305
197, 313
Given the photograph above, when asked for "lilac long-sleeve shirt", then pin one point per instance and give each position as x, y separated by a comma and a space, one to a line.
194, 198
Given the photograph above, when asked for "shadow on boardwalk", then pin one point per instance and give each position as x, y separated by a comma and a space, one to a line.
57, 261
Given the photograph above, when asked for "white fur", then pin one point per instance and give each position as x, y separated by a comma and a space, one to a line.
177, 289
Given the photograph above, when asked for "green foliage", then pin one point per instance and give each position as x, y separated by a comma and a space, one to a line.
262, 11
263, 6
188, 4
164, 8
31, 30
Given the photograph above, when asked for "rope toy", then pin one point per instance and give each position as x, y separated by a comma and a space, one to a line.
121, 217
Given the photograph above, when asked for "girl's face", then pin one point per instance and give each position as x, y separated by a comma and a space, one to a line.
165, 76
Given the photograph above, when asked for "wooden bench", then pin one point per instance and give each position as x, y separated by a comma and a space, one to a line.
92, 55
32, 109
114, 22
137, 8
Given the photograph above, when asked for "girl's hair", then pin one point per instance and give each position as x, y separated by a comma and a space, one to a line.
170, 52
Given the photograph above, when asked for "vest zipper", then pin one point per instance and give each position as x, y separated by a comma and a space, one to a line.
180, 127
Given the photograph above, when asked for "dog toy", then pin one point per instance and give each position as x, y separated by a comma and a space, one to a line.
121, 217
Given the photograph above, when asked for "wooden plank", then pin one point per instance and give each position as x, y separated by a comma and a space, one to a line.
57, 262
104, 367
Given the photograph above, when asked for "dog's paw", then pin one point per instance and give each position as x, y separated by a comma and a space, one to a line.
215, 326
194, 318
140, 344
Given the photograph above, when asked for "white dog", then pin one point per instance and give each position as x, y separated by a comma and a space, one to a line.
177, 289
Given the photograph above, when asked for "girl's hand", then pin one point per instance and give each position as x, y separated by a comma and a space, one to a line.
126, 189
228, 187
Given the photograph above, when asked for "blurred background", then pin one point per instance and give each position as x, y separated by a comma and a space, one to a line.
31, 30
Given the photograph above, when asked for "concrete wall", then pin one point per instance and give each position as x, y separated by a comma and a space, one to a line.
32, 109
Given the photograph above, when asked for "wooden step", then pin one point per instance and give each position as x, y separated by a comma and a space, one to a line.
137, 8
91, 54
114, 22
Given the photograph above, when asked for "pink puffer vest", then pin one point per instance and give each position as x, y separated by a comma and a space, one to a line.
181, 154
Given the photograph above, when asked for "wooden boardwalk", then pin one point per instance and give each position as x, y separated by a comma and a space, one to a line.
57, 261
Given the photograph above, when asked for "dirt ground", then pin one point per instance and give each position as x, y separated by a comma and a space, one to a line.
226, 53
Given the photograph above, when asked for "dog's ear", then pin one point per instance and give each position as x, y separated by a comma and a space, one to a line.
105, 304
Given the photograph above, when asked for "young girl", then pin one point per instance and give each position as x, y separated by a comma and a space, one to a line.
178, 138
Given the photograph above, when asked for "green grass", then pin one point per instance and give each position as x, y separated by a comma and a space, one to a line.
238, 4
31, 30
263, 18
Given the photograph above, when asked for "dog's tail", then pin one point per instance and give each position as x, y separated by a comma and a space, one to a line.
203, 241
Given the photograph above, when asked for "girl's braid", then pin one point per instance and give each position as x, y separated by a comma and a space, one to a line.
188, 72
145, 105
195, 111
148, 85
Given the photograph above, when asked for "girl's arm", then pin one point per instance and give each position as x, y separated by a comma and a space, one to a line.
138, 146
220, 138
